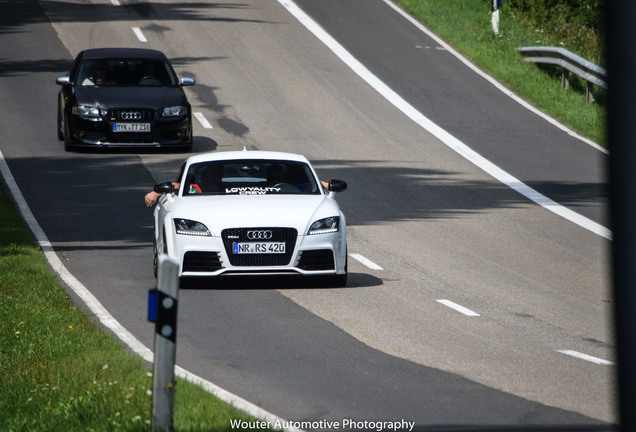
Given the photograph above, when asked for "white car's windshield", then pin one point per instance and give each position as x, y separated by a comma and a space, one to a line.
249, 177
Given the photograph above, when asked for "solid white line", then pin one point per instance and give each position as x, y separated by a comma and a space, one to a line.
445, 137
204, 122
490, 79
105, 318
586, 357
139, 34
458, 308
367, 262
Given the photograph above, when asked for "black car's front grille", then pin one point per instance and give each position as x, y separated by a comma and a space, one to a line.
240, 235
131, 115
201, 262
317, 260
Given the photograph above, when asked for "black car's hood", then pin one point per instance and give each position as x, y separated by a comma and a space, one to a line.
137, 97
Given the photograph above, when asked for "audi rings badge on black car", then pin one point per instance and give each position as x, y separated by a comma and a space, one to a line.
131, 115
122, 97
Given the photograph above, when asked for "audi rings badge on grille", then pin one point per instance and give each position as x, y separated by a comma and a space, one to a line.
131, 115
260, 235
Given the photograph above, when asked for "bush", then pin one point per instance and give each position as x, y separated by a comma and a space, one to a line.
578, 24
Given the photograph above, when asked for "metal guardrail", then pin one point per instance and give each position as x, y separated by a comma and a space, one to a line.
570, 62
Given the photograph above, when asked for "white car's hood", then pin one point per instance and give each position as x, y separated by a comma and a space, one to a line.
220, 212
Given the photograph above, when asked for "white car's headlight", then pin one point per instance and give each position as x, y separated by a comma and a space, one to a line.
190, 227
325, 226
86, 111
174, 111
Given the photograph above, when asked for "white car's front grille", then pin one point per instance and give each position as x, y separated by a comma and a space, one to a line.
240, 235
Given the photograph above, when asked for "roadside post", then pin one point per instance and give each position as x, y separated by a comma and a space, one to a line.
162, 310
494, 19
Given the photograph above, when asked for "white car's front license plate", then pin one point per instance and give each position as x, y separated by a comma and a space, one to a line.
131, 127
259, 248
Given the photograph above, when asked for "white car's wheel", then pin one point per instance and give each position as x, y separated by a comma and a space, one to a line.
339, 280
155, 257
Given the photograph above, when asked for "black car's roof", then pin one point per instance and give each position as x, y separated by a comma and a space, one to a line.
138, 53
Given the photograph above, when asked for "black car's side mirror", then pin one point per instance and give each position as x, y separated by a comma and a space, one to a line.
163, 187
336, 185
187, 81
64, 80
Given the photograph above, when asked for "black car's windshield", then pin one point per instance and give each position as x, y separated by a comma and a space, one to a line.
125, 72
250, 177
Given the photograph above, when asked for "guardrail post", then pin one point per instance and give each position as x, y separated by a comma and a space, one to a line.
162, 309
565, 78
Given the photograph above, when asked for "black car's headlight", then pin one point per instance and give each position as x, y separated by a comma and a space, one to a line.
174, 111
325, 226
86, 111
190, 227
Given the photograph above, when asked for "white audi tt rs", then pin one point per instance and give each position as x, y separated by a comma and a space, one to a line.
251, 213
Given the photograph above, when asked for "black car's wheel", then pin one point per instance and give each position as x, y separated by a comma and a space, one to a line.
188, 148
60, 123
68, 145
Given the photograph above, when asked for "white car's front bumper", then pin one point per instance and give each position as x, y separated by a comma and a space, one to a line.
320, 254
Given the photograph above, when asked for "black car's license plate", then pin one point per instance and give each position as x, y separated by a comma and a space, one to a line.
131, 127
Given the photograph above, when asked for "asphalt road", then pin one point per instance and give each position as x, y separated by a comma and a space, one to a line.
385, 347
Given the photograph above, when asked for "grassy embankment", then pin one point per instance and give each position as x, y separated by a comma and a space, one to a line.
466, 26
61, 372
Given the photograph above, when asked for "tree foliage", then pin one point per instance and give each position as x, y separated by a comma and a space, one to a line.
564, 13
578, 25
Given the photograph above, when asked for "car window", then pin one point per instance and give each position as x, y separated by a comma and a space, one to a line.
250, 177
180, 175
126, 72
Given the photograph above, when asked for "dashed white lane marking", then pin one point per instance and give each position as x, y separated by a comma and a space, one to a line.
115, 2
367, 262
586, 357
449, 140
137, 31
459, 308
204, 122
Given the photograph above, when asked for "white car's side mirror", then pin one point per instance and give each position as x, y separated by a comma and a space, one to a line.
164, 187
336, 185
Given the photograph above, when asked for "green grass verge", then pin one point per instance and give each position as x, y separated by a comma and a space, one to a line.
59, 371
466, 26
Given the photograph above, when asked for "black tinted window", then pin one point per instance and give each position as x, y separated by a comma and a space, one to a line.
125, 72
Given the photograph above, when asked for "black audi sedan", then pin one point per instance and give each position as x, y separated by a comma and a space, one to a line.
123, 97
